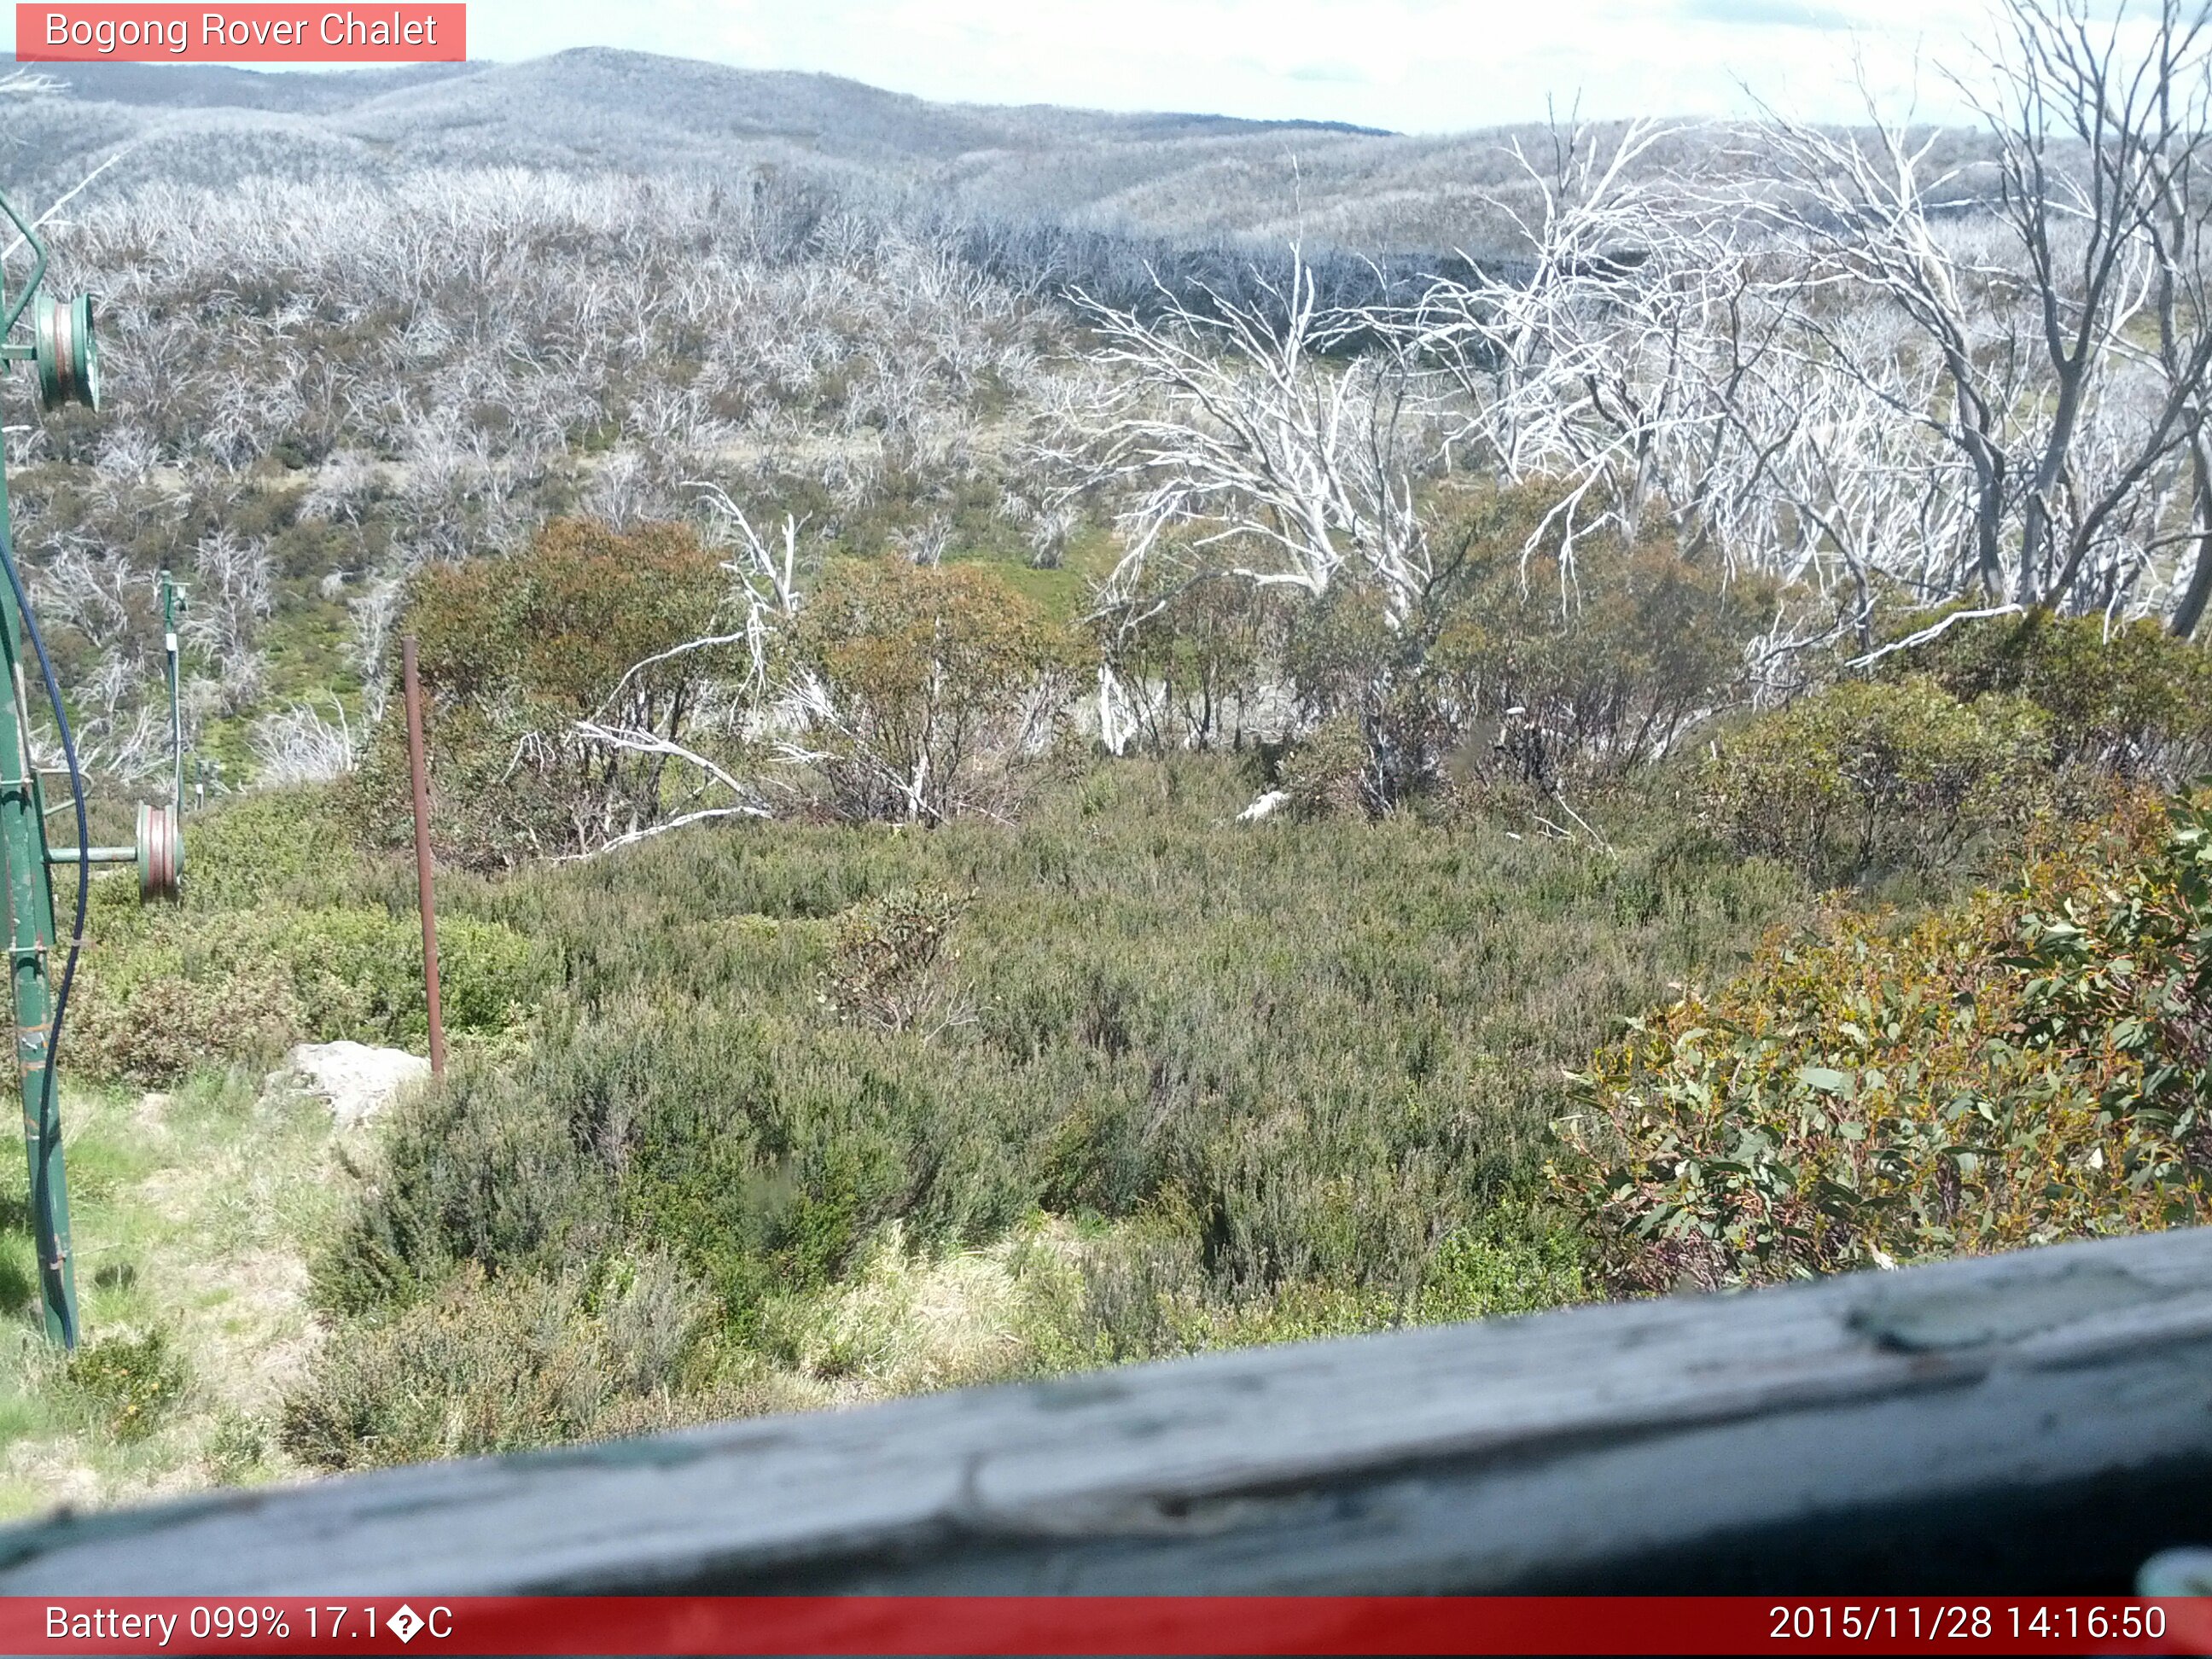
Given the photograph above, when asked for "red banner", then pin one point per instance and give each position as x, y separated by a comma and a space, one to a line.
1102, 1625
304, 34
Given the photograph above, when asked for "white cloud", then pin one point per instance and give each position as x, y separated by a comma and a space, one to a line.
1421, 65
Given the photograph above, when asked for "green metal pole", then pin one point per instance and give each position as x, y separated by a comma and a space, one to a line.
176, 707
30, 945
67, 357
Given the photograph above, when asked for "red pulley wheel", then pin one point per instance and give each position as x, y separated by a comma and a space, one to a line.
161, 853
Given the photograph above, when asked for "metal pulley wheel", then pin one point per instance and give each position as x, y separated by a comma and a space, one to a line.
68, 354
161, 853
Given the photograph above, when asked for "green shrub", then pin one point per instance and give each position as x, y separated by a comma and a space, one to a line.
906, 1320
2128, 697
1202, 647
1608, 659
767, 1159
939, 679
357, 973
270, 846
1520, 665
1329, 1050
237, 1448
153, 1031
130, 1381
512, 652
241, 986
2027, 1067
1140, 1294
483, 1171
1143, 1291
891, 965
1872, 777
493, 1367
1328, 771
283, 936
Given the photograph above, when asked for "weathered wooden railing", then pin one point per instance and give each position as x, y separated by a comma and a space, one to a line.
2039, 1423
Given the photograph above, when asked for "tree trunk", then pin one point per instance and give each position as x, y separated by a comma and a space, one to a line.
2190, 610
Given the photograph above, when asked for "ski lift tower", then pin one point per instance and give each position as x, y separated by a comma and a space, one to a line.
42, 961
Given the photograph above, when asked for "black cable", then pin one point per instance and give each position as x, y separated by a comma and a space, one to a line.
84, 891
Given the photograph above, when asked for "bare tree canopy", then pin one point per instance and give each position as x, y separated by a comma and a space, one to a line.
1848, 359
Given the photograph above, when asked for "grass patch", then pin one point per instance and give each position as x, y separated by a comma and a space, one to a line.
193, 1213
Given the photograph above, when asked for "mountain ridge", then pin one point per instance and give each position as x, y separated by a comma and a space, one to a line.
1155, 176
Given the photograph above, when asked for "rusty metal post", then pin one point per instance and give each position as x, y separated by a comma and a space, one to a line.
420, 774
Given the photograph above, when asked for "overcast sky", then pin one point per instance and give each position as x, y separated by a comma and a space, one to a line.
1414, 65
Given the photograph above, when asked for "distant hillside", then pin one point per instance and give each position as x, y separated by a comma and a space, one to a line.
1144, 179
1176, 175
201, 86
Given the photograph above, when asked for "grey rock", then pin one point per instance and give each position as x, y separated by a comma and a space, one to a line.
358, 1080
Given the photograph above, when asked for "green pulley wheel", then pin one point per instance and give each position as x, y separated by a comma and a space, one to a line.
68, 353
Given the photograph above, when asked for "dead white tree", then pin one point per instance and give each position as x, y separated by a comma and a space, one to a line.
1277, 442
1572, 359
925, 543
1255, 427
300, 745
2177, 221
1641, 354
234, 592
762, 698
631, 741
2030, 283
766, 574
1859, 213
2094, 117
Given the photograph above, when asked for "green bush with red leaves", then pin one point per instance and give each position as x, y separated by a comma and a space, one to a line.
2029, 1066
